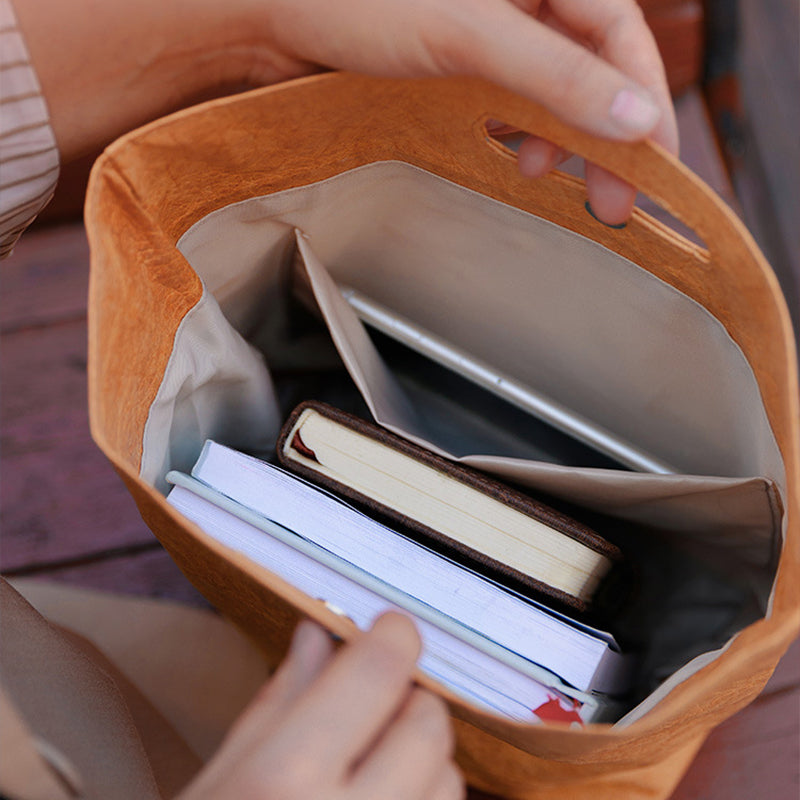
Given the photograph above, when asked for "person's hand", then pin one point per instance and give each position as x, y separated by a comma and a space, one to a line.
593, 64
344, 726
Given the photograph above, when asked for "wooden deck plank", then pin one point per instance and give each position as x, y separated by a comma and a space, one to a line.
148, 573
755, 754
59, 497
46, 280
787, 673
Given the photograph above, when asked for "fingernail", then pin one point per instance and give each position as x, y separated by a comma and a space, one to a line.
634, 111
399, 630
308, 641
619, 226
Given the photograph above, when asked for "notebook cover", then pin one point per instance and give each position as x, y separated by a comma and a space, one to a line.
488, 486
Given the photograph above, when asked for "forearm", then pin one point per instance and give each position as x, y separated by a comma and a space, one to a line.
106, 66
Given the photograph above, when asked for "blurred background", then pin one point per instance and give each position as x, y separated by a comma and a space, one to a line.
743, 58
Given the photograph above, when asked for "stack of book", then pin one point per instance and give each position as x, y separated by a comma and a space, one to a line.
368, 522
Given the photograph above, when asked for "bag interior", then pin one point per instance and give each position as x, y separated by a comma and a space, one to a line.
550, 308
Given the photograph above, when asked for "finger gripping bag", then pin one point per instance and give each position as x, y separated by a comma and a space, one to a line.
397, 191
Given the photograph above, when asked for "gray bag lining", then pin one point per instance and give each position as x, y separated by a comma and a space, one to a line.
551, 308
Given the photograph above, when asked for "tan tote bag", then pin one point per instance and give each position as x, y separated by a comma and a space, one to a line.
395, 189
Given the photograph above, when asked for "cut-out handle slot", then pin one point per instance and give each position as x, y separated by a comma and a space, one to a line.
506, 139
643, 164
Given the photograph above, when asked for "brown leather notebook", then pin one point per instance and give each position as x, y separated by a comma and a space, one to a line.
456, 510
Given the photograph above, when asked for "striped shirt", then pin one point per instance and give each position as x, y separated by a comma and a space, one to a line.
29, 161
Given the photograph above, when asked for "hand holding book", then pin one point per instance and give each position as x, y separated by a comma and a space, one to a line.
389, 738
